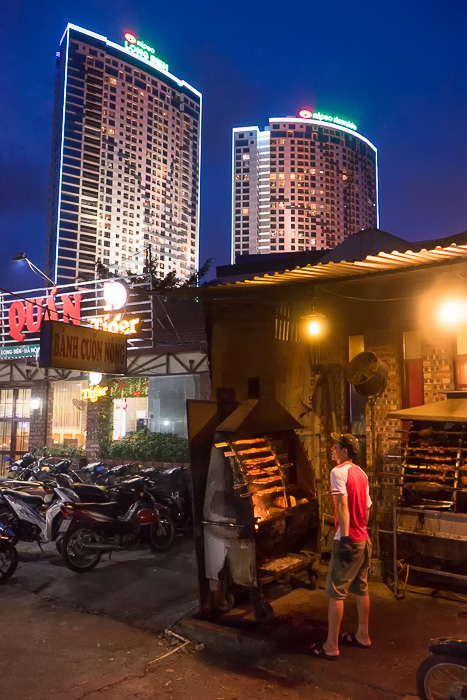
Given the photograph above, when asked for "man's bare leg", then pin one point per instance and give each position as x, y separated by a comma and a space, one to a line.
335, 613
363, 610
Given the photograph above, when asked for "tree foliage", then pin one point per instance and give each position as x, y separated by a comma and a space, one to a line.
159, 284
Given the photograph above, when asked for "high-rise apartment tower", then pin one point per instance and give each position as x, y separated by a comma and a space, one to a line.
304, 183
125, 160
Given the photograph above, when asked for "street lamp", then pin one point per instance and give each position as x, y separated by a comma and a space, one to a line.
34, 268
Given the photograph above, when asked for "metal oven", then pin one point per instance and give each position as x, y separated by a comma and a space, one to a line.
260, 518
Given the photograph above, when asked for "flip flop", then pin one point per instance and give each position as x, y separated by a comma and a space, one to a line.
351, 641
318, 651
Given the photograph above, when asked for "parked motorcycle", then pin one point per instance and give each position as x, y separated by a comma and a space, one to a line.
89, 530
443, 675
98, 473
34, 518
8, 556
170, 487
22, 468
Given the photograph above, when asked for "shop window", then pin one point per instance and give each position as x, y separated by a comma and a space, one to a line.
14, 423
167, 403
412, 378
130, 415
69, 414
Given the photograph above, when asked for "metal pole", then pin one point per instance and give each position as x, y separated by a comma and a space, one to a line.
394, 550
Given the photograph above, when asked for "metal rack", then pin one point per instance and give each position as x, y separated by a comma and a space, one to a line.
428, 523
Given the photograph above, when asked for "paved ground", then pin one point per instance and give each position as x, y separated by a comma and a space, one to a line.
93, 636
150, 591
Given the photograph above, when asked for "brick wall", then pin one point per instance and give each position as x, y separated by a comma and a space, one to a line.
40, 422
438, 370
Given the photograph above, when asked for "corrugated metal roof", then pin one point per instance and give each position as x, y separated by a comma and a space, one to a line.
372, 263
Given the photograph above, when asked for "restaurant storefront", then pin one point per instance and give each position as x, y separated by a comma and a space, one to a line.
43, 406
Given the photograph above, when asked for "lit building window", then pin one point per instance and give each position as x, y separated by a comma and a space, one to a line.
246, 177
113, 81
246, 156
292, 176
245, 211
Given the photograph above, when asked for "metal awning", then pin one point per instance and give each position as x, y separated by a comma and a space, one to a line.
383, 262
447, 410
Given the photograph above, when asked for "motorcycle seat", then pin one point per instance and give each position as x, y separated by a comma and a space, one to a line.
33, 501
109, 507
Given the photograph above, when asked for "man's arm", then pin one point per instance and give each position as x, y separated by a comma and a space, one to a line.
367, 516
342, 514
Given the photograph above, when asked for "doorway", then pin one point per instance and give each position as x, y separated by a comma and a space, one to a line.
14, 423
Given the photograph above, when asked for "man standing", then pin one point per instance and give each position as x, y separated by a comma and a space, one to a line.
351, 554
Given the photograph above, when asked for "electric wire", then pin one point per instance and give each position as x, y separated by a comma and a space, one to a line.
346, 296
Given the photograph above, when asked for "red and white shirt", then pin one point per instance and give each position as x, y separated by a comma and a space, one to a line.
350, 480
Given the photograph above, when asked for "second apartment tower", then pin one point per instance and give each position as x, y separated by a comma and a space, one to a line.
125, 161
304, 183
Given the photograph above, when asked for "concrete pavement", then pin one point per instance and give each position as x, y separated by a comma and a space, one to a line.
150, 591
93, 636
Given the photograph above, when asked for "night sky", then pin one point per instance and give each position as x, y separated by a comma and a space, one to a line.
398, 70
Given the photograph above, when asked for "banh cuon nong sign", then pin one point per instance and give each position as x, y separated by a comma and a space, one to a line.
319, 116
64, 346
142, 50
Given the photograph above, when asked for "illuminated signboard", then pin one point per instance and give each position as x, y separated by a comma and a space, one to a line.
142, 50
115, 297
64, 346
19, 351
93, 393
104, 305
319, 116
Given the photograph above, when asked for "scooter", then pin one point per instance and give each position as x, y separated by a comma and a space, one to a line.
170, 487
8, 556
89, 530
443, 675
22, 468
20, 513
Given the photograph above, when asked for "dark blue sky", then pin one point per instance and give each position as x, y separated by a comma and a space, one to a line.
398, 70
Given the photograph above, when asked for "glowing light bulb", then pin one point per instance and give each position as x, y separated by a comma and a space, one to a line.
452, 312
314, 328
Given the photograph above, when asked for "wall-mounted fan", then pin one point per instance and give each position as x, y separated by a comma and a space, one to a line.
80, 404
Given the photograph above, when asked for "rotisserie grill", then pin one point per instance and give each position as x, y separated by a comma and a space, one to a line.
260, 508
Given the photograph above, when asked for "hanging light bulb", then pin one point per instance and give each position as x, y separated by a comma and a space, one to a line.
314, 324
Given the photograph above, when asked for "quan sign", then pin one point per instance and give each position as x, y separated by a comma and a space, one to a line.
65, 346
116, 305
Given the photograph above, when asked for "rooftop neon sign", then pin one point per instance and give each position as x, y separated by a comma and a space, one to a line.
142, 50
308, 114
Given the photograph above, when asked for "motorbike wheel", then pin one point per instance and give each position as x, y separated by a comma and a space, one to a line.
441, 678
8, 560
162, 534
13, 525
73, 552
